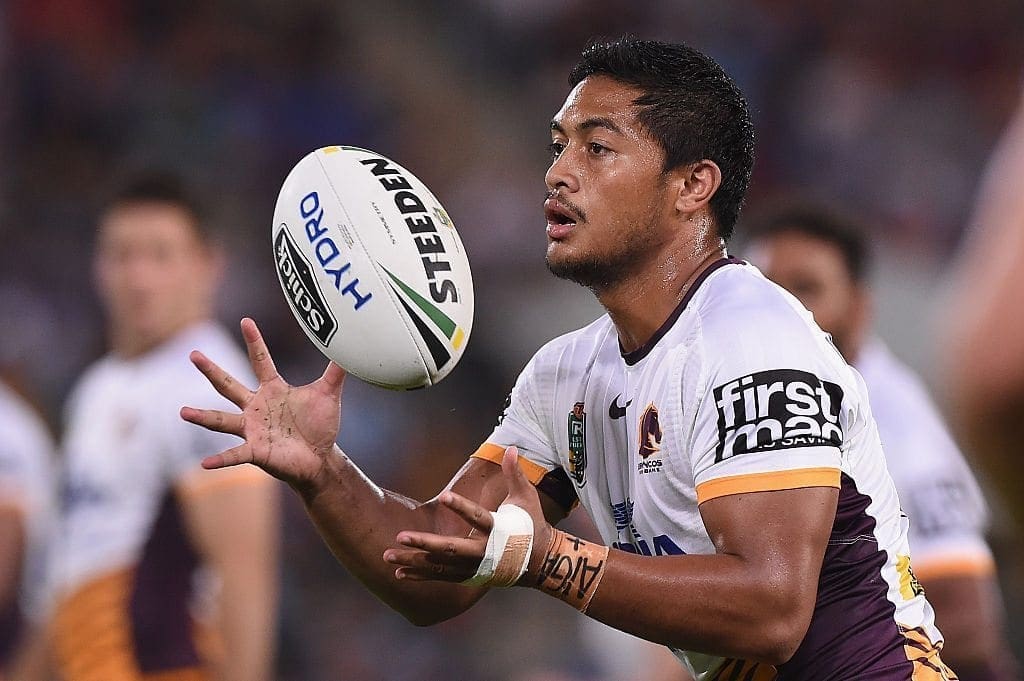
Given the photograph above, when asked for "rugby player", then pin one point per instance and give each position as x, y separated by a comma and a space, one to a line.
145, 542
26, 519
823, 261
720, 444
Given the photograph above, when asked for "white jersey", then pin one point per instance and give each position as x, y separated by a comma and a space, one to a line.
27, 485
124, 565
738, 392
948, 514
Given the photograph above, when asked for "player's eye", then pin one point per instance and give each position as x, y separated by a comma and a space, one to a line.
597, 149
555, 149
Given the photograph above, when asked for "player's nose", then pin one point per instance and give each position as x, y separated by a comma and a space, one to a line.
562, 174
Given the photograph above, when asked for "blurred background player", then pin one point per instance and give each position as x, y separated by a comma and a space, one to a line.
26, 515
984, 353
152, 580
823, 261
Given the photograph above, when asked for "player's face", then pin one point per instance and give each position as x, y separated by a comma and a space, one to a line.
607, 197
154, 273
814, 271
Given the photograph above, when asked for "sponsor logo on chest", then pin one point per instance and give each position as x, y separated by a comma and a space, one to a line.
631, 540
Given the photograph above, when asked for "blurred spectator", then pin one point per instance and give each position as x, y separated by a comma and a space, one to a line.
149, 552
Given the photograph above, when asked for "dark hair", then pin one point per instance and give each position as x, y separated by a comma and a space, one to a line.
689, 105
825, 225
161, 186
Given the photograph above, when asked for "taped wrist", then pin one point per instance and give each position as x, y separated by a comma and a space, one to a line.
572, 569
508, 548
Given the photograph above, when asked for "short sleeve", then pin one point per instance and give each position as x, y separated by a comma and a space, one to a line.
768, 409
25, 453
27, 484
947, 525
937, 489
185, 444
522, 423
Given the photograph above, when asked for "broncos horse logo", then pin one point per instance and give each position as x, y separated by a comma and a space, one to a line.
650, 432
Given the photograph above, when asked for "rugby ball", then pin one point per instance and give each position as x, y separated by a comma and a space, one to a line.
372, 268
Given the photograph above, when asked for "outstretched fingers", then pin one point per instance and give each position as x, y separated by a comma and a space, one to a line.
229, 457
259, 356
223, 382
470, 511
453, 547
422, 555
214, 419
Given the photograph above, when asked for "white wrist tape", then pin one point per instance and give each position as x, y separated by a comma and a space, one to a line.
508, 548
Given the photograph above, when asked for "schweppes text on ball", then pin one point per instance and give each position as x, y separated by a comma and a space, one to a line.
300, 287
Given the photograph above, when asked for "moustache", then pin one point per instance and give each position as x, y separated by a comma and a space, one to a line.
568, 205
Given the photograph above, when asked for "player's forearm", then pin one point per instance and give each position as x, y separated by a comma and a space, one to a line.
248, 624
716, 603
969, 612
358, 520
246, 560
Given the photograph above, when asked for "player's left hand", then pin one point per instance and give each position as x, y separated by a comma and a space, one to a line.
428, 556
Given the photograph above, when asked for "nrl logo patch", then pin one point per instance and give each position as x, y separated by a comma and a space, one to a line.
578, 444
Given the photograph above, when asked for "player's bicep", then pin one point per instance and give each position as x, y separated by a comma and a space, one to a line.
211, 506
783, 532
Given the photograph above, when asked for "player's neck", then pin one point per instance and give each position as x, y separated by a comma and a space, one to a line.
640, 305
851, 349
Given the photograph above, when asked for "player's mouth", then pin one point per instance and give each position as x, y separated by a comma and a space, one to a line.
561, 220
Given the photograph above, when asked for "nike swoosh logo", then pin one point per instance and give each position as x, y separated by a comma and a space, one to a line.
615, 411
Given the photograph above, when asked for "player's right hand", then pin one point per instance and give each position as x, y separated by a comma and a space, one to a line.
289, 431
430, 556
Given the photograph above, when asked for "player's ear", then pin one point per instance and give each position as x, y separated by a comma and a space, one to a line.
694, 185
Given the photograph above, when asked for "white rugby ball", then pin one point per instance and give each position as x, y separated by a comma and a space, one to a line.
372, 267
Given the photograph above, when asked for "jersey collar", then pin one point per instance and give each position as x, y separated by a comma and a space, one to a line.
635, 356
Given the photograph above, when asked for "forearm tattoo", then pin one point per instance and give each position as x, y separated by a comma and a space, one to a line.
572, 569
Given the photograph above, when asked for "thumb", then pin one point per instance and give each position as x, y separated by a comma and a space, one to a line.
333, 379
514, 477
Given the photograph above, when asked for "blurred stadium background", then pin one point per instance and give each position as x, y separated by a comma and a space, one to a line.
887, 108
